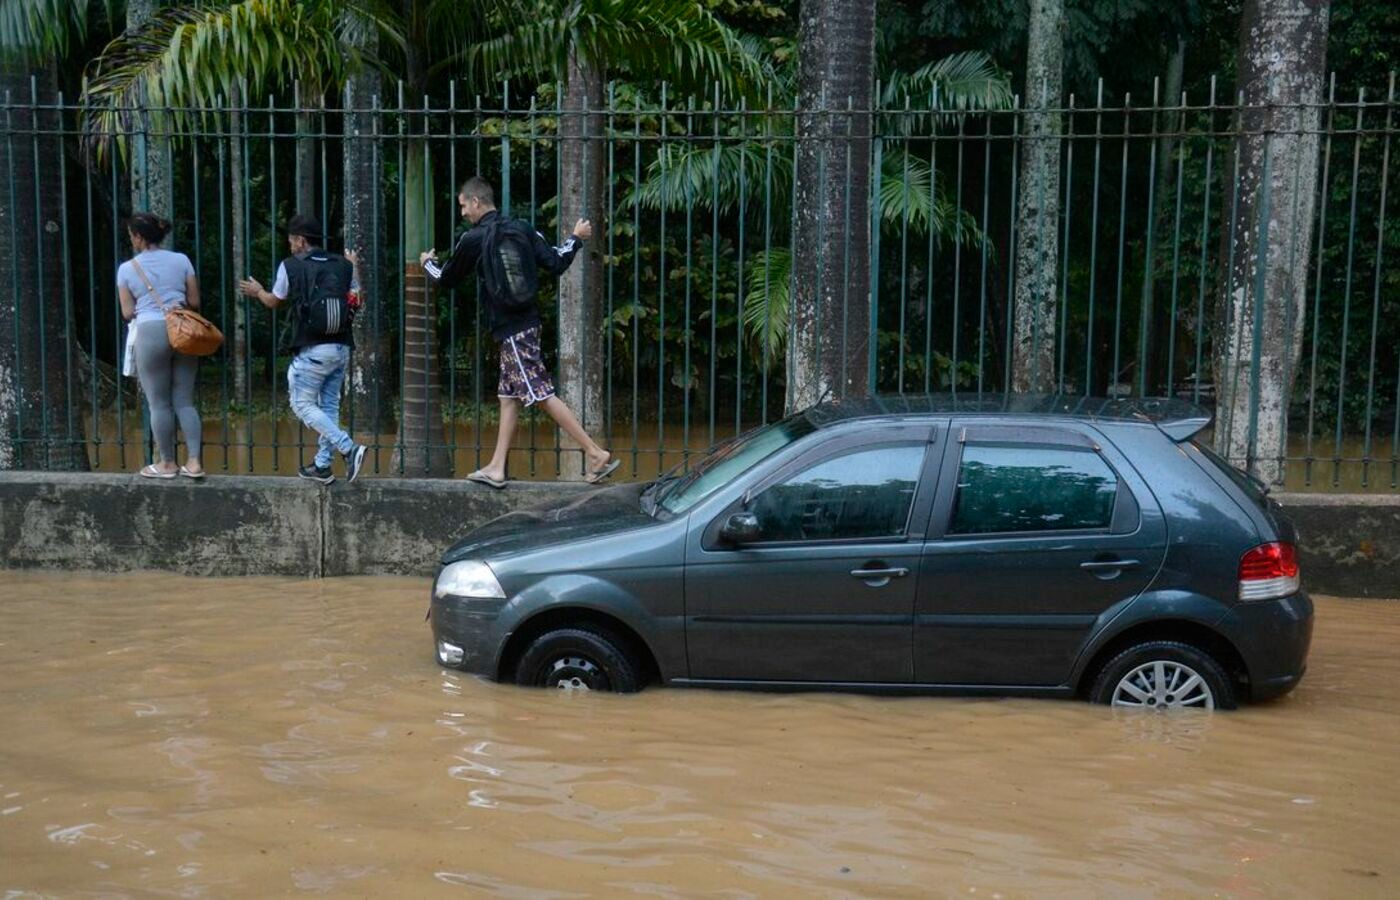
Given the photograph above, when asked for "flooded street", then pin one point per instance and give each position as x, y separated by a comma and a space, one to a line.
252, 737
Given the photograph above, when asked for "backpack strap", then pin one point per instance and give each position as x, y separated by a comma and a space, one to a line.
149, 287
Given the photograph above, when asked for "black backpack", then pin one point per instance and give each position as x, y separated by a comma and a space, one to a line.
323, 305
507, 265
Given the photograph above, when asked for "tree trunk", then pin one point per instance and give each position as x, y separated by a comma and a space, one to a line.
422, 440
150, 151
1038, 206
236, 347
307, 124
371, 402
581, 195
1152, 351
37, 344
1282, 62
830, 306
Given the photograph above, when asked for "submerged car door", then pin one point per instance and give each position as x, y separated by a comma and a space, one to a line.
1038, 533
824, 590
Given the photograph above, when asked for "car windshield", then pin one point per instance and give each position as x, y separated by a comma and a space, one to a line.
729, 460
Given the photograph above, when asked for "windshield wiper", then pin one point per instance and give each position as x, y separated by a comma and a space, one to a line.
651, 496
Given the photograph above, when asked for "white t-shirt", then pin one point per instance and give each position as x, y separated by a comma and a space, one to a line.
167, 271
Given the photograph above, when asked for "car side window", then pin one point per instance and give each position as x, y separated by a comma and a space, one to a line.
1005, 489
863, 494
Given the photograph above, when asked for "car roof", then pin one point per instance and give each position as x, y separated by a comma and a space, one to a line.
1178, 418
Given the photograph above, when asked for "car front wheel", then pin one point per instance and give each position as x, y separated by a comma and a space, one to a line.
581, 658
1164, 675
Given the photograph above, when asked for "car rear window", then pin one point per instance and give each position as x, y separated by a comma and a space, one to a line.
1253, 489
1005, 489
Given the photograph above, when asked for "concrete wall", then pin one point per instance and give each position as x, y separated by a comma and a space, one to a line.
245, 525
252, 525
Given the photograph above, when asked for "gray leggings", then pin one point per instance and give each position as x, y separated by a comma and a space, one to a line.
167, 378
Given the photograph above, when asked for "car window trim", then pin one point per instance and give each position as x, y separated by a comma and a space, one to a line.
902, 433
941, 516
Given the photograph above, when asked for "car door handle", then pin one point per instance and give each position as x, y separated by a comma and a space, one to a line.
879, 573
1100, 565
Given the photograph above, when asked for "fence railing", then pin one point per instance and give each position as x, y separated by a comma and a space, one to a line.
685, 329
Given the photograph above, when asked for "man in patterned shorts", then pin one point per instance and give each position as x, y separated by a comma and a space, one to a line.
508, 290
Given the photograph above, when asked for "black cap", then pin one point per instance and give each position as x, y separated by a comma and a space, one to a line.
306, 226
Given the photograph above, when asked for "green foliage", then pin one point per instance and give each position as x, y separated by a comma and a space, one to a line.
36, 30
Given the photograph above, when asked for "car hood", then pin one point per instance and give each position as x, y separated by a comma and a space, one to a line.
591, 515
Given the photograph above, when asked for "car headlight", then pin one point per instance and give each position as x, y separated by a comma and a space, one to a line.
468, 578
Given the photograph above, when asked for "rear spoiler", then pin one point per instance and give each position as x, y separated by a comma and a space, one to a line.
1184, 429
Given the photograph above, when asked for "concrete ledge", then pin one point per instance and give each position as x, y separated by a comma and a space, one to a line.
276, 525
1349, 543
244, 524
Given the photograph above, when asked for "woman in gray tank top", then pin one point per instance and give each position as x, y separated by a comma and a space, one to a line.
149, 283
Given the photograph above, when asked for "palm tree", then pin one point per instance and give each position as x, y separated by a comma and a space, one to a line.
686, 174
583, 44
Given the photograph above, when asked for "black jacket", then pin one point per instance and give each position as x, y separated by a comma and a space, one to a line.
465, 255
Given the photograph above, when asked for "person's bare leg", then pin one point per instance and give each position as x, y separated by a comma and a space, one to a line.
595, 455
510, 415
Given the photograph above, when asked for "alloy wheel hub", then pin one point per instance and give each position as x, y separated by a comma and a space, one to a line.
1163, 684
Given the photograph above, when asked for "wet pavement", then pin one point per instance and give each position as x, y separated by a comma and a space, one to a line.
252, 737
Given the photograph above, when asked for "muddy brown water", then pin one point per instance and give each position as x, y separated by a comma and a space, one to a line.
169, 736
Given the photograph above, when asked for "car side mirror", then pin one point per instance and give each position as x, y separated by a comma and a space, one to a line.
741, 528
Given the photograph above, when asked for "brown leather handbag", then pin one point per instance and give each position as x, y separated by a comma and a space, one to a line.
188, 331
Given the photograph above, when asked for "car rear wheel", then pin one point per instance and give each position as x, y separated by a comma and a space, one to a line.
1164, 675
579, 659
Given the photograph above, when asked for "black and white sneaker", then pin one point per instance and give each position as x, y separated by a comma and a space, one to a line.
317, 474
354, 462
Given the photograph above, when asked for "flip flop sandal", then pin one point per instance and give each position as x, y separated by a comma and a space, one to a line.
152, 472
481, 477
197, 476
603, 473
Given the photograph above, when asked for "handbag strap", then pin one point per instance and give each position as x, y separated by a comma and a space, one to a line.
150, 287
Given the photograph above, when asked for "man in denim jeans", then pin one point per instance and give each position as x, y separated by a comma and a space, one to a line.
324, 290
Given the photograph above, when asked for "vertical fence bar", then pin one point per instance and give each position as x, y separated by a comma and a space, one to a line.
1093, 245
1376, 290
1122, 240
767, 253
739, 272
957, 255
71, 447
1148, 279
272, 417
44, 446
1010, 244
903, 247
1226, 355
987, 145
1064, 245
636, 273
93, 396
1205, 253
661, 303
1346, 292
933, 208
1180, 130
1317, 277
611, 258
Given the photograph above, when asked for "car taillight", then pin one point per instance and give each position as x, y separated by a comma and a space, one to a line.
1269, 571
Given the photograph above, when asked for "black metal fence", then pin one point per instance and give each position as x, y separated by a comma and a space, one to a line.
690, 324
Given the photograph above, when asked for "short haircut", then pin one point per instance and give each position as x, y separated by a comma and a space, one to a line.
480, 188
149, 227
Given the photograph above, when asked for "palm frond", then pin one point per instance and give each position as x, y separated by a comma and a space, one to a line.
679, 40
44, 29
695, 175
961, 82
767, 302
187, 58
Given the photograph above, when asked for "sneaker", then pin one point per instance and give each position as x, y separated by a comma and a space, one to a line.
317, 474
354, 462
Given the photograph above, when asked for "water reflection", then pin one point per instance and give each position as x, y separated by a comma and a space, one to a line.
275, 737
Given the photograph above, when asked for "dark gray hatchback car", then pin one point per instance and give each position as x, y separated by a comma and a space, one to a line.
1017, 545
